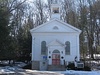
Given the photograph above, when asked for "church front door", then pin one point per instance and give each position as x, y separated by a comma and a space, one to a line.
56, 58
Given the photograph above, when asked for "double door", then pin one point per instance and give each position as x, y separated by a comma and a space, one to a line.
56, 59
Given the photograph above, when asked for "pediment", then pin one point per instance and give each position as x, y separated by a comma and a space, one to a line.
55, 43
55, 26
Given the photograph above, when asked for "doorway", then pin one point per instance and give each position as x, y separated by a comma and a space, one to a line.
56, 57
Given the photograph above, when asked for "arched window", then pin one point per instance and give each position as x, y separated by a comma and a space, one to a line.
56, 51
55, 28
43, 47
67, 48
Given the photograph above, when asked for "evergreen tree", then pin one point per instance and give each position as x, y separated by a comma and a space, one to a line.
5, 38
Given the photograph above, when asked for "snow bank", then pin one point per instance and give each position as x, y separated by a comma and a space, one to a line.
72, 72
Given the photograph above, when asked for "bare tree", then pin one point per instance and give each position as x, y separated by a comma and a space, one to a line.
69, 12
41, 13
88, 17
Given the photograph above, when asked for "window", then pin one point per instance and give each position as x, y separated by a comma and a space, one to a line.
67, 48
54, 1
49, 52
56, 51
55, 10
62, 52
55, 28
43, 48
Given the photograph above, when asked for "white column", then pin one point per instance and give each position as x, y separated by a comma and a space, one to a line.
49, 54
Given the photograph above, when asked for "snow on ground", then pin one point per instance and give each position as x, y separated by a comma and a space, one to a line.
72, 72
18, 71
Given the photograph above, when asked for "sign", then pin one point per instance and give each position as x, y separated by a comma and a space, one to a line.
44, 57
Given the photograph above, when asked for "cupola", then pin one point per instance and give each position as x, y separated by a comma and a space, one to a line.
55, 9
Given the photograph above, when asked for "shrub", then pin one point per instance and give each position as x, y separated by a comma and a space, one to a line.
71, 66
87, 68
28, 66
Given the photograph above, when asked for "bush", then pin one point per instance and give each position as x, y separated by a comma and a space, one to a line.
28, 66
87, 68
71, 66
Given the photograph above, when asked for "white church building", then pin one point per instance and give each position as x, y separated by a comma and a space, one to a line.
54, 42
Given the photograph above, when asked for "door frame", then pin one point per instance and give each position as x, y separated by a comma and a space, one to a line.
56, 57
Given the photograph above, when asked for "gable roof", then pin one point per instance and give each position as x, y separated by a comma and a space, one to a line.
55, 27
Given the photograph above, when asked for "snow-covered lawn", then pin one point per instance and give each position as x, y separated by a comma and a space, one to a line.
72, 72
34, 72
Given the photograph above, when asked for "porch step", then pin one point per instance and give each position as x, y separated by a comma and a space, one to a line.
56, 68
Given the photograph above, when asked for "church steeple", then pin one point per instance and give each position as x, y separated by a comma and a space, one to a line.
55, 9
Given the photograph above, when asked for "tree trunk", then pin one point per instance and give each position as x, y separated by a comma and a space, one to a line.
91, 48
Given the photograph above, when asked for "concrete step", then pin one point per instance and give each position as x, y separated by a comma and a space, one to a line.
56, 68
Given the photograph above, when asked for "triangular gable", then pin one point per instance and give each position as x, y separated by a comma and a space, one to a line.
55, 42
70, 26
52, 27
